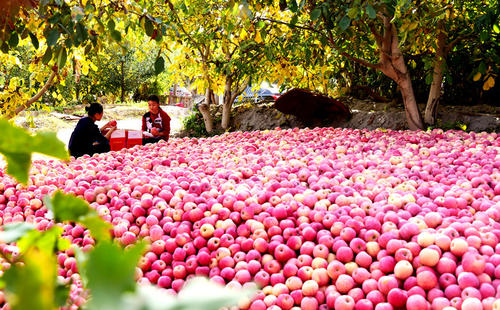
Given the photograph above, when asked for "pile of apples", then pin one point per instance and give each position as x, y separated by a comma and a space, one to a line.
315, 218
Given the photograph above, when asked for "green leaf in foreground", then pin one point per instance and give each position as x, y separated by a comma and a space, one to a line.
199, 294
209, 296
45, 241
110, 272
70, 208
32, 285
67, 207
17, 145
14, 231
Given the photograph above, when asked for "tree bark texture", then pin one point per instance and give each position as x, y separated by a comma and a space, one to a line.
205, 111
437, 80
393, 65
231, 91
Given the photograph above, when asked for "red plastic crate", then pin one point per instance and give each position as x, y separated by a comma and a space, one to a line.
118, 140
134, 138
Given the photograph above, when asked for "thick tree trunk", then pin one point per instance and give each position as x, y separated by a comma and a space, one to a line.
231, 91
393, 65
437, 80
205, 111
412, 113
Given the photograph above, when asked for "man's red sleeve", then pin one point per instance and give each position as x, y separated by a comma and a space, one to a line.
144, 127
166, 125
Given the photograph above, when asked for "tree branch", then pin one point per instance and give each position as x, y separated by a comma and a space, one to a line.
38, 95
288, 24
361, 61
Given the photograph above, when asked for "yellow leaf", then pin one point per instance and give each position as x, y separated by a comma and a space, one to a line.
258, 38
477, 77
85, 70
243, 34
490, 82
94, 67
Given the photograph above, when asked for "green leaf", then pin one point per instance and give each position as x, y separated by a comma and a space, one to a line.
47, 56
483, 36
14, 39
111, 24
32, 284
353, 12
45, 241
14, 231
371, 11
482, 68
209, 295
62, 57
61, 295
345, 22
110, 272
159, 65
99, 229
34, 40
496, 28
148, 26
52, 37
292, 5
18, 165
260, 24
70, 208
315, 13
116, 35
47, 143
67, 207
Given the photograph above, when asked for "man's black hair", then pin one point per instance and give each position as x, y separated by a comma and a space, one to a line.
154, 98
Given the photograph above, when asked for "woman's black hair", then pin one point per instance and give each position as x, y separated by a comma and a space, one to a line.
94, 108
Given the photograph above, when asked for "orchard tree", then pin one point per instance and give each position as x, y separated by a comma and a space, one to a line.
380, 34
221, 44
58, 31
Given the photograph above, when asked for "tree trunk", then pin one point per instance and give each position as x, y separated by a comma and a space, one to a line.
412, 113
227, 104
393, 65
122, 81
437, 80
205, 111
175, 94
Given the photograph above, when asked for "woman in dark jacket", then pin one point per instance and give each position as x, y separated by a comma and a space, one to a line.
87, 138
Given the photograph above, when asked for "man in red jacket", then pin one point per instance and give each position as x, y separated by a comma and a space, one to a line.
155, 123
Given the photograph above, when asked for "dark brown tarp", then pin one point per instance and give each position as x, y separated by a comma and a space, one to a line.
310, 106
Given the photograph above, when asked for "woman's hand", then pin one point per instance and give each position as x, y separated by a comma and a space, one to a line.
108, 133
110, 124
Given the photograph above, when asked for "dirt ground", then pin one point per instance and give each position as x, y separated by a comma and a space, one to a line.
367, 114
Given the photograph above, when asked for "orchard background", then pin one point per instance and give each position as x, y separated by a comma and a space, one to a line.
277, 219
